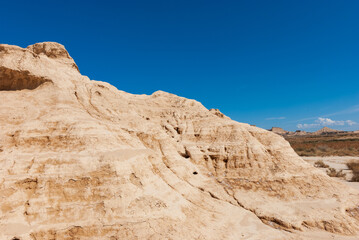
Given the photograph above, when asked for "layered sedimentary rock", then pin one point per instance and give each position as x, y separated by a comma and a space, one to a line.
80, 159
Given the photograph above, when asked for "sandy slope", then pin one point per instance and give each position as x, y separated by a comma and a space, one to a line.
80, 159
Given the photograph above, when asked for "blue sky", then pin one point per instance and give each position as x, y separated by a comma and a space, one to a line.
269, 63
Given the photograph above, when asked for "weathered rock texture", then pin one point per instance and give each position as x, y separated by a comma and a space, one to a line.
80, 159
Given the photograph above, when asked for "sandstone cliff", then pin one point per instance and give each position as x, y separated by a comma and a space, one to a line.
82, 160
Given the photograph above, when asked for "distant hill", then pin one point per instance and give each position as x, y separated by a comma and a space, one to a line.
324, 142
325, 130
278, 130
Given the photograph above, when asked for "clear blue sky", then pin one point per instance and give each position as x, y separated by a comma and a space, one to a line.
270, 63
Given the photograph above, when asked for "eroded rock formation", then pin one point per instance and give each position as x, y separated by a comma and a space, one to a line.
82, 160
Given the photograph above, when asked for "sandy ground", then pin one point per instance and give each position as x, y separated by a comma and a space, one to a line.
339, 163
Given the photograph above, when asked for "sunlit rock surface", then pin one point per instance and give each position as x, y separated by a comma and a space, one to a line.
80, 159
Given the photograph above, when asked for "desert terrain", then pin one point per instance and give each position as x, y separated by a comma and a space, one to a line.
333, 144
80, 159
334, 152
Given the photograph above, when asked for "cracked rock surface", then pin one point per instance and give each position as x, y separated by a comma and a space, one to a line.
80, 159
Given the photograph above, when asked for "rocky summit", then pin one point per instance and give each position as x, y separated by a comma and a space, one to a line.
80, 159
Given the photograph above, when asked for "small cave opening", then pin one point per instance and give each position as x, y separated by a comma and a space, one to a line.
13, 80
15, 238
195, 173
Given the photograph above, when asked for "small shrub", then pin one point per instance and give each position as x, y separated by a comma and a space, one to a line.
334, 173
320, 164
354, 166
323, 148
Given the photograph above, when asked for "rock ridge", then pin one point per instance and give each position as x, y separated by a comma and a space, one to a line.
80, 159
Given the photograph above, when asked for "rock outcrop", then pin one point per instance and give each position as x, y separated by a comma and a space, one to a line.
82, 160
325, 130
278, 130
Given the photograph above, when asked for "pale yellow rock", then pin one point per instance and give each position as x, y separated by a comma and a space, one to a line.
80, 159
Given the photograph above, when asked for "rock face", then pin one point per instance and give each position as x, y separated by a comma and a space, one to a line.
82, 160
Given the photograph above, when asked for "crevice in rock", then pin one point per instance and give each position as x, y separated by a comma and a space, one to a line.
184, 154
271, 221
13, 80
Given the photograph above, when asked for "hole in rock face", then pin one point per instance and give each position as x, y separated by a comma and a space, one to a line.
12, 80
184, 154
195, 173
15, 238
178, 130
